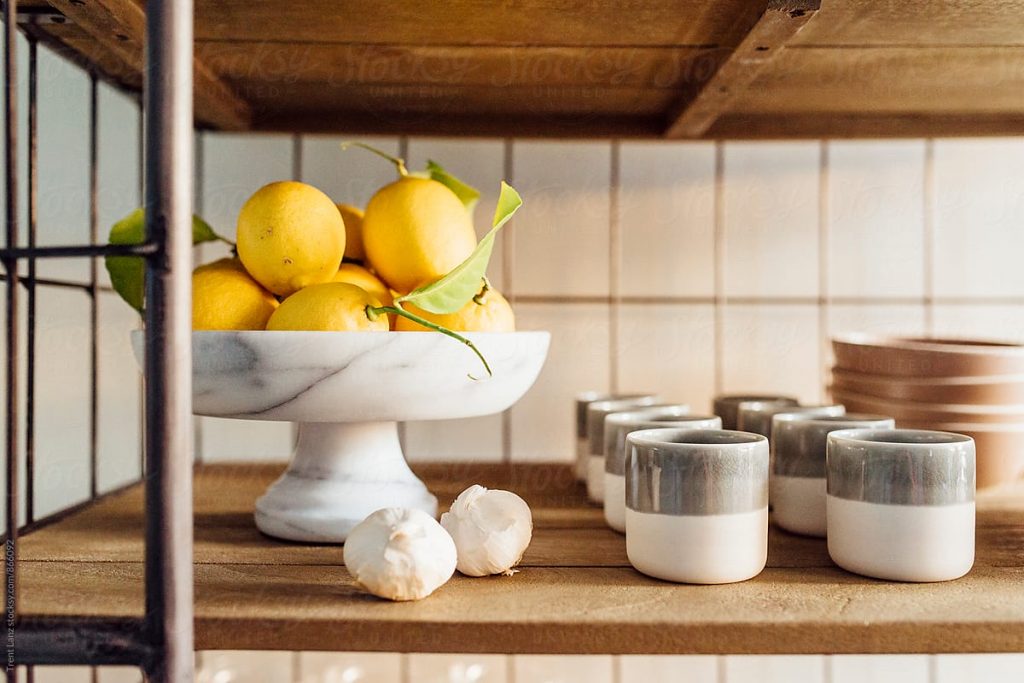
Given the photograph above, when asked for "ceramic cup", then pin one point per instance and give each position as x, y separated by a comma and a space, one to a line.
757, 417
616, 427
727, 406
596, 414
583, 400
697, 504
900, 503
797, 482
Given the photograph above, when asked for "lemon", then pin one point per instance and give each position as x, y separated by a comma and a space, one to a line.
361, 277
353, 217
224, 297
290, 235
492, 314
416, 230
330, 307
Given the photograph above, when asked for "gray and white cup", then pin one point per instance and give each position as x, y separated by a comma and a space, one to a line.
616, 427
900, 503
596, 414
727, 406
757, 417
797, 483
697, 504
582, 401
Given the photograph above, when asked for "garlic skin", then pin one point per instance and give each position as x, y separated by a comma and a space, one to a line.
491, 529
400, 554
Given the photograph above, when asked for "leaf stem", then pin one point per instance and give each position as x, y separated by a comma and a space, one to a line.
397, 161
373, 311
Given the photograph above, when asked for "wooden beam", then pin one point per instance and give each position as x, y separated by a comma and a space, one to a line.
119, 27
782, 19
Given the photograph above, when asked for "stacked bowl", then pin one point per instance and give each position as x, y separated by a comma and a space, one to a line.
969, 387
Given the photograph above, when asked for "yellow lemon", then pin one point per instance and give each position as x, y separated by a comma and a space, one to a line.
353, 217
416, 230
330, 307
491, 314
224, 297
361, 277
290, 235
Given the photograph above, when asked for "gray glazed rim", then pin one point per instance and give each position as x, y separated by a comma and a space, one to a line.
681, 437
618, 426
602, 409
655, 414
822, 420
736, 399
875, 436
583, 400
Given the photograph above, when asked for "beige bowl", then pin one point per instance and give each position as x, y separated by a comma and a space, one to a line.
928, 412
1000, 448
982, 389
909, 357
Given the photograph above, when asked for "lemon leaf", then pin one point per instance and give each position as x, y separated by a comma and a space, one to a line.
455, 289
128, 273
467, 194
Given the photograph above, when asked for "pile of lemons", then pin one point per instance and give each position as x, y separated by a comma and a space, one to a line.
306, 263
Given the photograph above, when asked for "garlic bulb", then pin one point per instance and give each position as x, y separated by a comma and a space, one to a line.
491, 530
400, 554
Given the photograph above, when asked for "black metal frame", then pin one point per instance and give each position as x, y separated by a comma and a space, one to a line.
160, 643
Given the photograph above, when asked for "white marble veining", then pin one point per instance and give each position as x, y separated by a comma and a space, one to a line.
347, 391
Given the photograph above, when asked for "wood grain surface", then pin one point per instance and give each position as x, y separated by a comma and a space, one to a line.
575, 592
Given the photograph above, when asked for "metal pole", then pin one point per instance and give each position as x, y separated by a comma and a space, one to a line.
11, 176
168, 107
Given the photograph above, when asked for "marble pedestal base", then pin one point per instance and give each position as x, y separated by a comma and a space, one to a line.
340, 473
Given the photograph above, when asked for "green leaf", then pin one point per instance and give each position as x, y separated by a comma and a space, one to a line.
455, 289
128, 273
467, 195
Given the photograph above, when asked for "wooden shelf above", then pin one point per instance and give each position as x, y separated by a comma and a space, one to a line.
651, 69
576, 592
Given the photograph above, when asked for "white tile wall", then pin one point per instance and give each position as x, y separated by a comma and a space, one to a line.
877, 214
771, 219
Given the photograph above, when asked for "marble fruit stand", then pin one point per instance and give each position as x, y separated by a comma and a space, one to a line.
347, 391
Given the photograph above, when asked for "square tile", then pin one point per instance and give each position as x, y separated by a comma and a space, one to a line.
438, 668
63, 102
119, 674
117, 161
879, 668
480, 163
475, 439
876, 218
989, 668
244, 666
562, 669
543, 422
979, 191
774, 668
224, 440
348, 667
62, 399
668, 349
771, 218
59, 674
666, 218
980, 321
119, 390
560, 238
669, 668
348, 176
772, 349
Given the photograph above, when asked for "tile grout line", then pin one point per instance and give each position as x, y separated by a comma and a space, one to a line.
928, 237
507, 245
719, 265
720, 672
933, 669
617, 669
824, 302
510, 669
614, 264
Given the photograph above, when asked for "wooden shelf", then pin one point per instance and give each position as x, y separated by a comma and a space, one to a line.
656, 68
575, 594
